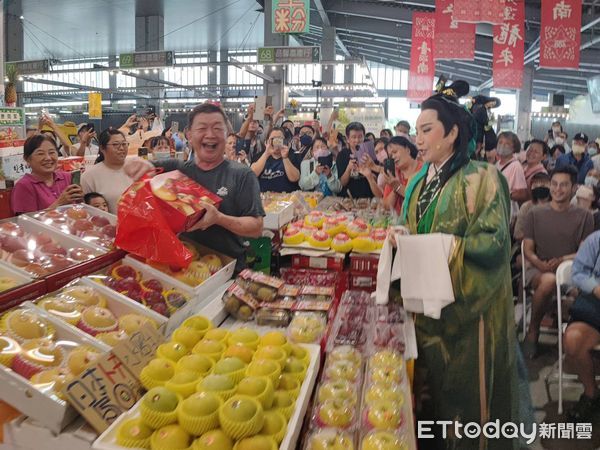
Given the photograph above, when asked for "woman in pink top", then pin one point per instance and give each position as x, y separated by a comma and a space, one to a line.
536, 152
45, 187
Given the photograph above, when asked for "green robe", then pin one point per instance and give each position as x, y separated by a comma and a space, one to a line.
473, 206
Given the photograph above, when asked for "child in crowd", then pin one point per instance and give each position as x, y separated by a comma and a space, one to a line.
96, 200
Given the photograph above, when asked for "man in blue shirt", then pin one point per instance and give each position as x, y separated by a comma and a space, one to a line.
578, 157
583, 332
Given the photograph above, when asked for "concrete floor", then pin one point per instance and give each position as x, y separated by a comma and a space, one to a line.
546, 410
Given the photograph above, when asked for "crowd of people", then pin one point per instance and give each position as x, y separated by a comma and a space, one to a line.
552, 188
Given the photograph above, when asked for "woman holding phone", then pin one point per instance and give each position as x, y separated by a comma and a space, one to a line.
45, 187
400, 167
319, 171
275, 170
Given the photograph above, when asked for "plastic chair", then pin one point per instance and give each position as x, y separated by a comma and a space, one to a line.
524, 287
563, 276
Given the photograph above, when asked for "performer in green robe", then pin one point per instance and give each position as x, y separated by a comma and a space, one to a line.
469, 353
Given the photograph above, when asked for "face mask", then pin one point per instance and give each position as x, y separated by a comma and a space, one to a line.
578, 150
559, 141
592, 151
591, 181
381, 156
540, 193
305, 140
504, 150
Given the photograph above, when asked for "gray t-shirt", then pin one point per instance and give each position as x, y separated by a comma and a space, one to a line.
557, 233
237, 185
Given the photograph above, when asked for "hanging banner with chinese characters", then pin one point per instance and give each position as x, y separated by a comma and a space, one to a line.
509, 48
95, 105
291, 16
453, 40
560, 35
422, 65
491, 11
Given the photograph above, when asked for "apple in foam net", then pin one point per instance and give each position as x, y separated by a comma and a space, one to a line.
11, 243
109, 231
91, 235
99, 221
336, 413
330, 439
384, 414
21, 258
81, 225
76, 213
36, 240
52, 249
80, 254
152, 284
383, 440
53, 263
11, 229
341, 389
213, 440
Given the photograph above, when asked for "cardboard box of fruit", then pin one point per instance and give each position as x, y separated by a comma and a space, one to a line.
231, 387
38, 357
179, 198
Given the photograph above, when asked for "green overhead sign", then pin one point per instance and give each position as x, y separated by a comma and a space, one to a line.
29, 67
146, 59
288, 55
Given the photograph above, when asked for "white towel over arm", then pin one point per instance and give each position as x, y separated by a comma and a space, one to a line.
422, 260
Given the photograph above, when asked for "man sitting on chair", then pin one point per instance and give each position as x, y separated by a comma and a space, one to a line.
552, 234
583, 332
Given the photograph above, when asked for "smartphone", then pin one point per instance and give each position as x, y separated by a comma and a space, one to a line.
277, 142
326, 161
174, 127
143, 152
366, 149
91, 127
76, 177
241, 145
389, 165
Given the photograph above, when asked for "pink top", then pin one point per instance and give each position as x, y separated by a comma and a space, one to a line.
514, 174
531, 171
31, 194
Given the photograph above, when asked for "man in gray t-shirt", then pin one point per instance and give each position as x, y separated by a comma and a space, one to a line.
241, 212
552, 234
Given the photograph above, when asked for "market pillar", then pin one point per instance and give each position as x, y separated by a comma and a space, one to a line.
14, 49
212, 68
149, 36
328, 54
524, 99
276, 88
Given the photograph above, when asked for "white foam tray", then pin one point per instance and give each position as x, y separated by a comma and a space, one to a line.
117, 303
107, 440
48, 410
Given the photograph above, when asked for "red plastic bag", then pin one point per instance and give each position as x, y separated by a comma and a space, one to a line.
144, 231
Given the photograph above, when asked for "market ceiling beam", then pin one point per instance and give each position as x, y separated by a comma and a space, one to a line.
327, 23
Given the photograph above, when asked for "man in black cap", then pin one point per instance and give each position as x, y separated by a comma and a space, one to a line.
578, 157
